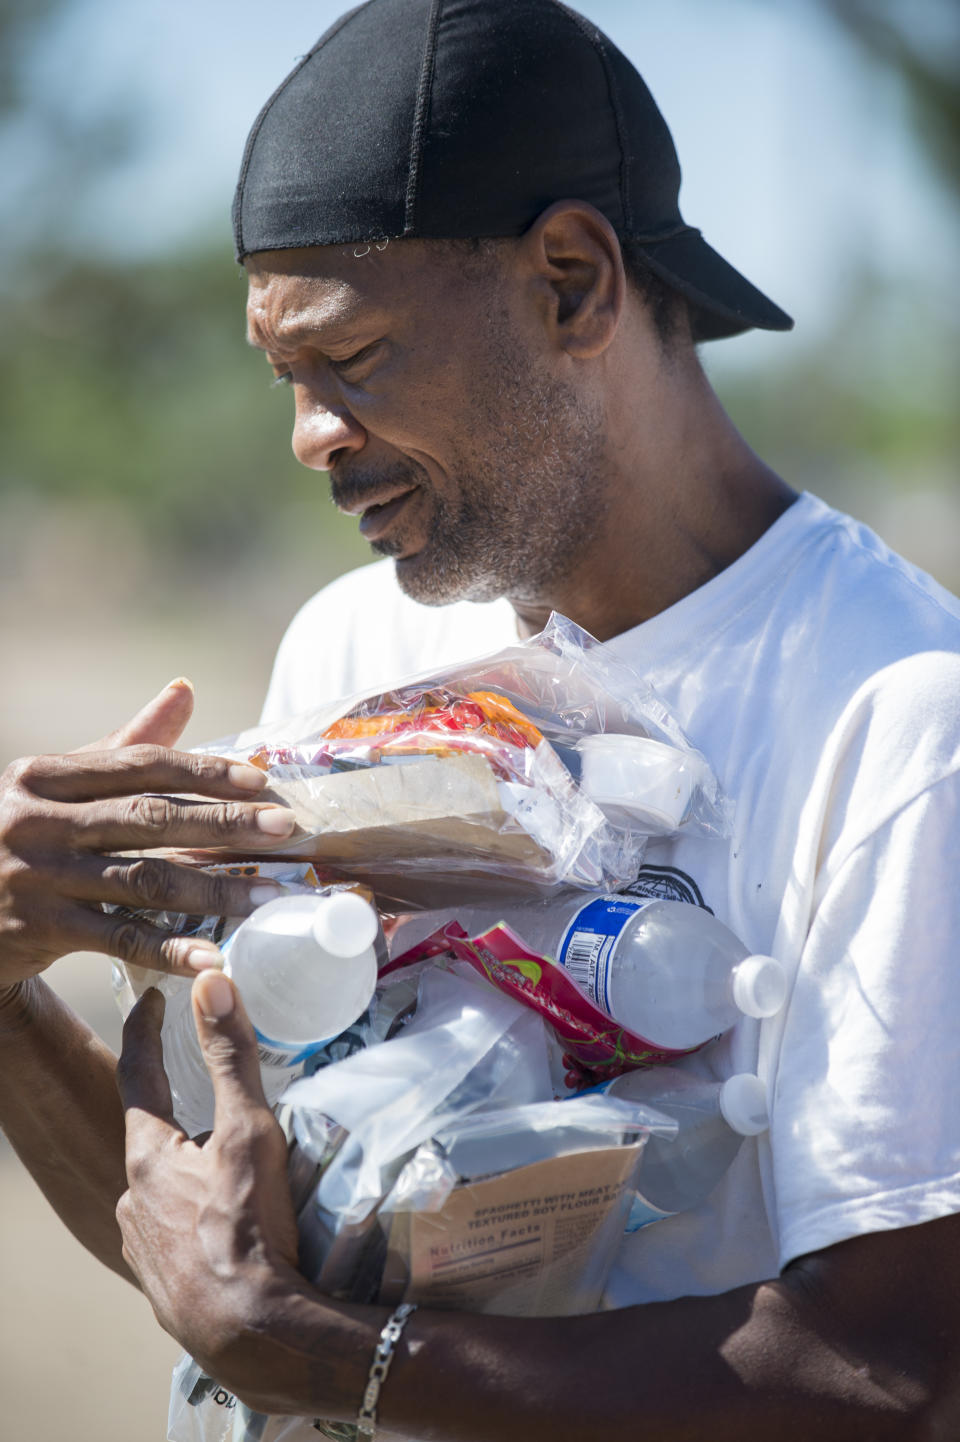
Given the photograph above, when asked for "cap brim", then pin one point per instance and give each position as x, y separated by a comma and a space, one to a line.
724, 302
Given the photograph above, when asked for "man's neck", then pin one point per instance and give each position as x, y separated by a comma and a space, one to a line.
678, 512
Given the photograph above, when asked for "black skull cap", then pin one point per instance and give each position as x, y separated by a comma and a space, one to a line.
445, 119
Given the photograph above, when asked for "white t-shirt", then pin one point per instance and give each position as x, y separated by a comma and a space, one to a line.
820, 676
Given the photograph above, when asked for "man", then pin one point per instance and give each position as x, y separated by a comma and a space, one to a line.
435, 211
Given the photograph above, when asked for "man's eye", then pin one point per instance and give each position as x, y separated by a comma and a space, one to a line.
283, 379
351, 364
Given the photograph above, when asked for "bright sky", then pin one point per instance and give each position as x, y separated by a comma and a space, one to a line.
798, 162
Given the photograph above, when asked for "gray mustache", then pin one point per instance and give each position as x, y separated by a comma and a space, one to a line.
357, 488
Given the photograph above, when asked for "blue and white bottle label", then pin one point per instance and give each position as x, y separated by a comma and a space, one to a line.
589, 940
278, 1053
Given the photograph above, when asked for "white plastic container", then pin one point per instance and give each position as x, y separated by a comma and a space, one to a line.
639, 782
305, 967
713, 1119
669, 971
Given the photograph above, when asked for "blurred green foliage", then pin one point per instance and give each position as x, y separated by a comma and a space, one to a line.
134, 382
880, 389
22, 23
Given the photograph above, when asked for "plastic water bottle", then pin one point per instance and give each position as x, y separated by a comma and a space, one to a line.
677, 1173
669, 971
305, 967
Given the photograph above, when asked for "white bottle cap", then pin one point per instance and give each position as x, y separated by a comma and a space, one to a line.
743, 1104
345, 924
638, 781
759, 986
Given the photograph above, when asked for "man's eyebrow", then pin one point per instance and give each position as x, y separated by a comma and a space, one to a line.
329, 324
332, 337
260, 342
290, 335
345, 339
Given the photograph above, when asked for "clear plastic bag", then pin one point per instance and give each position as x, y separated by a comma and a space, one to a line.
412, 1160
467, 1047
462, 1099
549, 762
518, 1212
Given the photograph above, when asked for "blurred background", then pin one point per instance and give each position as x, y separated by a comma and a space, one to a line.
153, 522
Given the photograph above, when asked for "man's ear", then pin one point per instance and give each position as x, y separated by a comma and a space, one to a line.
574, 252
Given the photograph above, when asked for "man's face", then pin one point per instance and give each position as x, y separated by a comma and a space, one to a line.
424, 385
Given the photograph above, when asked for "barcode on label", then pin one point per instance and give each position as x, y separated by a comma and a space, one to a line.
273, 1058
580, 961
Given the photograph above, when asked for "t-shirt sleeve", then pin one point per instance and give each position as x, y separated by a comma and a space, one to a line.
865, 1130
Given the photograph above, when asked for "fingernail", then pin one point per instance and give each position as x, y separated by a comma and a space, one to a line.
182, 683
276, 820
265, 891
214, 996
204, 960
248, 778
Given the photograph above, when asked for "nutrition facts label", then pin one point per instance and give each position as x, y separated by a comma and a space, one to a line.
536, 1241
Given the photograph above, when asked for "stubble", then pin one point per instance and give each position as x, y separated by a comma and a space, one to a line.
528, 499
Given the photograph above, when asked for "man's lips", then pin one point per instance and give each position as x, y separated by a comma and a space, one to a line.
377, 518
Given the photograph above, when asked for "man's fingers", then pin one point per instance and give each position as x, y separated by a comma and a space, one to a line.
128, 770
144, 823
141, 1079
153, 883
229, 1048
135, 941
161, 722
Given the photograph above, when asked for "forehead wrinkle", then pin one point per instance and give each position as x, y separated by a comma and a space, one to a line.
278, 321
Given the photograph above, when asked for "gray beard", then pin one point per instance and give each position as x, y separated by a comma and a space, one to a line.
523, 519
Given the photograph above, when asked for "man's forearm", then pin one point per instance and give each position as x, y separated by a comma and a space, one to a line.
60, 1110
754, 1363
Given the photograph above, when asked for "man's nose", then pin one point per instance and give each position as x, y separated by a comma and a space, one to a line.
323, 432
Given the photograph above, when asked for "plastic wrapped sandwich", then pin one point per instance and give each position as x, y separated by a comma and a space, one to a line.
547, 763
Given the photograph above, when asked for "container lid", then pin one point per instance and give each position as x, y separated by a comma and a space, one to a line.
743, 1103
646, 781
759, 986
345, 924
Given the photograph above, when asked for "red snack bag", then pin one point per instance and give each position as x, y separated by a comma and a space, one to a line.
596, 1047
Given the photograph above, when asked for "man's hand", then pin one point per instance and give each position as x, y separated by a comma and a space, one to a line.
208, 1231
63, 818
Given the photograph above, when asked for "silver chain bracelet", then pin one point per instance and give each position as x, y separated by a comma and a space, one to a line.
366, 1423
382, 1357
